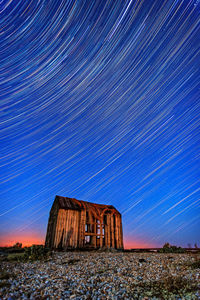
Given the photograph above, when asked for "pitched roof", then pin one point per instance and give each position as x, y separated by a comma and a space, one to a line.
74, 204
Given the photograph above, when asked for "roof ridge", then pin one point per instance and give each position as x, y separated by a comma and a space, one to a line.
73, 203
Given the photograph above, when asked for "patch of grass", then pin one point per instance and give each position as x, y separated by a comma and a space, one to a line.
15, 257
35, 252
17, 248
167, 287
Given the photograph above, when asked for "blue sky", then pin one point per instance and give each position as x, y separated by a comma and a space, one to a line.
100, 102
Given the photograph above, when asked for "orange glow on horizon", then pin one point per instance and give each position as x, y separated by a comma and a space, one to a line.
30, 238
27, 239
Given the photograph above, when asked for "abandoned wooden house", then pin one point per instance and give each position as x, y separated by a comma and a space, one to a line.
77, 224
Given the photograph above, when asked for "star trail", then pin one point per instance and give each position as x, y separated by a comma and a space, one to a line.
100, 102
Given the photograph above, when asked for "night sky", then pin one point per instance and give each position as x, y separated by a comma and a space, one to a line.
100, 102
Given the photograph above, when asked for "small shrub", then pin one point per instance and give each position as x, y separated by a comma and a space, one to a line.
12, 249
167, 248
36, 252
17, 245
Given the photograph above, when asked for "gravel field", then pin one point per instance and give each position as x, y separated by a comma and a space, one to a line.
103, 275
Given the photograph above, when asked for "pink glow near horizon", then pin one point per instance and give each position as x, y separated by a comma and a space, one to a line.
27, 239
30, 238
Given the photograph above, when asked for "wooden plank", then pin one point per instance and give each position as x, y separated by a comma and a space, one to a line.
121, 234
93, 234
82, 228
57, 230
105, 230
78, 228
101, 233
61, 228
67, 229
109, 230
71, 229
116, 232
52, 238
112, 232
77, 224
75, 228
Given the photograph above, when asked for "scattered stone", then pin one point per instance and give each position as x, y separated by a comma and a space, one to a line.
141, 260
102, 275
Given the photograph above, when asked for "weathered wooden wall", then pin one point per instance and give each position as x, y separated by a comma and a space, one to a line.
113, 231
66, 229
52, 224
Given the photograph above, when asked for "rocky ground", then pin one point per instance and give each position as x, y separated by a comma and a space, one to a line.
103, 275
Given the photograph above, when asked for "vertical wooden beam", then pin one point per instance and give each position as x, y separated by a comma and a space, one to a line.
75, 229
67, 229
116, 232
95, 231
71, 228
78, 228
121, 233
105, 230
109, 230
64, 228
58, 229
112, 232
101, 233
53, 233
82, 228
